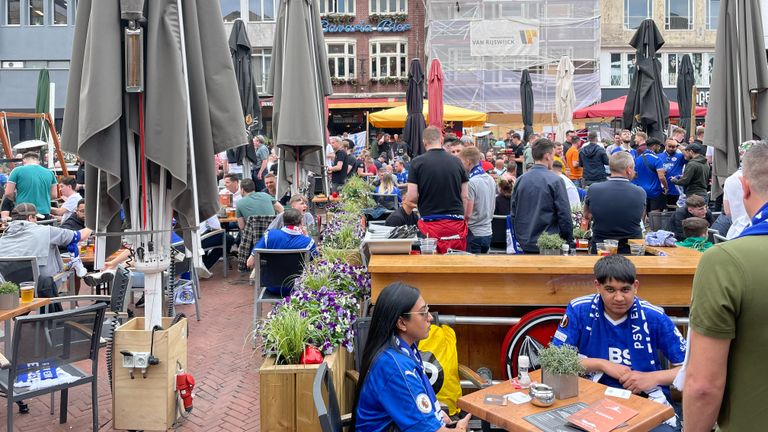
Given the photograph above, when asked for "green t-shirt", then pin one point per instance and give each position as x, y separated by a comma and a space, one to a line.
698, 243
730, 301
255, 204
33, 185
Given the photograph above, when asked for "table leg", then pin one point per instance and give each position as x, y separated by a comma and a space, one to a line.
7, 339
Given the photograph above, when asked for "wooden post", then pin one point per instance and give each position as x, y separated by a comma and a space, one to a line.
46, 117
4, 138
56, 144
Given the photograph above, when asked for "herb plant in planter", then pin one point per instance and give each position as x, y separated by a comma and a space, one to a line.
9, 295
285, 334
560, 369
549, 244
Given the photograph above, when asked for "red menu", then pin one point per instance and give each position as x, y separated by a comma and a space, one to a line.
602, 416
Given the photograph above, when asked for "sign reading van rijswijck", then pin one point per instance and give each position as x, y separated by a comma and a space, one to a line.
504, 38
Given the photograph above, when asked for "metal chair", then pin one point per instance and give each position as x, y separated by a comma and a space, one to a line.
175, 284
719, 239
660, 220
222, 246
498, 234
329, 415
53, 342
20, 269
388, 201
275, 268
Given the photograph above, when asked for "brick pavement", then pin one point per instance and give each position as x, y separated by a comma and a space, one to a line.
223, 364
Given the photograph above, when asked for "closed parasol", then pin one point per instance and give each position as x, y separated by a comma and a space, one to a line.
526, 102
565, 97
435, 94
414, 122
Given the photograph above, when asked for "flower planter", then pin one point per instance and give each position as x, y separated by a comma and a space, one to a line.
286, 402
564, 386
549, 251
9, 301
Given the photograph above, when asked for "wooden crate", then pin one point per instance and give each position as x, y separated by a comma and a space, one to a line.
285, 393
148, 403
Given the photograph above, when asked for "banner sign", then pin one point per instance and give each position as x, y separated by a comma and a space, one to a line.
504, 38
383, 26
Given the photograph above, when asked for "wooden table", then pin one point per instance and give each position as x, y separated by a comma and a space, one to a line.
535, 280
6, 315
666, 251
227, 220
510, 417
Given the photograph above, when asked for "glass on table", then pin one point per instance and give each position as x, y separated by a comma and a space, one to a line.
637, 249
27, 290
612, 246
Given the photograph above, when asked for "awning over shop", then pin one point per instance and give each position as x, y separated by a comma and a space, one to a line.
395, 117
365, 102
615, 108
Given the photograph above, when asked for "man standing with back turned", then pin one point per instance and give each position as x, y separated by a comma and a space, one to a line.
728, 338
438, 186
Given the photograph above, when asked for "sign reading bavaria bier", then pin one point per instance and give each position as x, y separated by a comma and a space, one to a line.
383, 26
504, 38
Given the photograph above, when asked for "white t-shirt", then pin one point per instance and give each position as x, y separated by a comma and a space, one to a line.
235, 168
70, 204
734, 195
573, 192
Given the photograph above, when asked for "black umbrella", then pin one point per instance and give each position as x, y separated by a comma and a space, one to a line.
685, 82
240, 50
414, 123
647, 108
526, 104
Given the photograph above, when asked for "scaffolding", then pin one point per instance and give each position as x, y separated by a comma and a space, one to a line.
492, 83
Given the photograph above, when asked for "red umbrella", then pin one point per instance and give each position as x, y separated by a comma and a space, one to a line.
615, 108
435, 94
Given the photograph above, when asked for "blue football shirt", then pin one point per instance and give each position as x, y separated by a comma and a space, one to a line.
647, 177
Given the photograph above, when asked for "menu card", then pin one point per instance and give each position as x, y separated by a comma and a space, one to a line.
602, 416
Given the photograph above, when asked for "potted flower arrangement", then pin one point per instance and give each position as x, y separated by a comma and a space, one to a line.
582, 237
550, 244
560, 369
9, 295
337, 275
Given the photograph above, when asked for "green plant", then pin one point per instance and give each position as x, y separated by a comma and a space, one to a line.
357, 192
549, 241
579, 233
285, 334
9, 288
560, 360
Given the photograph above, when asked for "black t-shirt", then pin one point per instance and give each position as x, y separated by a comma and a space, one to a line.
519, 151
338, 177
351, 165
617, 206
439, 177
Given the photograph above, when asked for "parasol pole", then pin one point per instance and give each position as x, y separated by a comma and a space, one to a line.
692, 127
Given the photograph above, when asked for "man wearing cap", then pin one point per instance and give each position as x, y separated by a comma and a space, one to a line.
24, 237
32, 183
696, 175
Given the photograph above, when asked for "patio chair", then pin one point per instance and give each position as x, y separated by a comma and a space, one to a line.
175, 284
719, 239
255, 227
498, 234
25, 269
222, 246
329, 415
660, 221
53, 343
388, 201
276, 267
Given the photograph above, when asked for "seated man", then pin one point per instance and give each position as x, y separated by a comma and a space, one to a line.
291, 236
618, 335
298, 202
695, 230
24, 237
254, 203
76, 221
695, 206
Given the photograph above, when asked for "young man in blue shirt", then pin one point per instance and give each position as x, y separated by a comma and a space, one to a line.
673, 161
618, 335
651, 176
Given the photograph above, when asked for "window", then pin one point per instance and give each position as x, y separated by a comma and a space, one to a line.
506, 9
679, 15
389, 6
635, 11
58, 10
261, 10
262, 60
615, 69
13, 12
713, 14
388, 59
341, 59
702, 68
36, 15
230, 10
338, 6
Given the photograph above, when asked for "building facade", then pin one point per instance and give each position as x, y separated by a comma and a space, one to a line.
688, 27
34, 35
370, 44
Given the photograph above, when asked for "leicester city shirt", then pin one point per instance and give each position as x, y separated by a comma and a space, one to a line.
617, 341
673, 167
647, 178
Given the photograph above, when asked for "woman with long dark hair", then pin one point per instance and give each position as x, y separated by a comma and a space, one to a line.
393, 392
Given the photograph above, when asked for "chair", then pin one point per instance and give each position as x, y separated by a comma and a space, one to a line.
222, 246
330, 416
20, 269
53, 341
175, 284
388, 201
498, 234
660, 220
277, 267
711, 234
255, 227
719, 239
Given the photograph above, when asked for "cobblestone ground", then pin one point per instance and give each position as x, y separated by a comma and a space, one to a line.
224, 367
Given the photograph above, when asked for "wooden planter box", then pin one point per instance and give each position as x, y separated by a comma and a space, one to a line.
148, 403
285, 393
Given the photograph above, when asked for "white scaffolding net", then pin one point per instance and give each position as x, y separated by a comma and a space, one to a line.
488, 79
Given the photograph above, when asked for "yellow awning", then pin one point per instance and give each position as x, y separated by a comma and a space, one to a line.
395, 117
